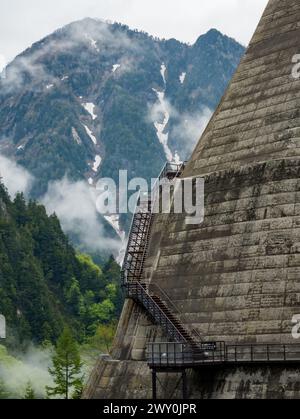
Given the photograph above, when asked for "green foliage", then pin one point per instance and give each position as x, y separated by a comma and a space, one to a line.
45, 288
44, 284
101, 299
3, 392
78, 391
103, 338
66, 370
111, 272
29, 392
15, 377
91, 273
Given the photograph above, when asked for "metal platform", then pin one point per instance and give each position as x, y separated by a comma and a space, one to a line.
176, 355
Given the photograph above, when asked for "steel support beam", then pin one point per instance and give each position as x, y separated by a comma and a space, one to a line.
184, 385
154, 385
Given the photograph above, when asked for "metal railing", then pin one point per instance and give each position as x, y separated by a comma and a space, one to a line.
157, 290
170, 171
139, 234
133, 266
138, 292
263, 353
181, 354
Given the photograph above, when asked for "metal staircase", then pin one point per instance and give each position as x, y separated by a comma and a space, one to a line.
133, 266
137, 246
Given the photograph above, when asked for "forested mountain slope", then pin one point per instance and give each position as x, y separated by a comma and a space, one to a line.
44, 284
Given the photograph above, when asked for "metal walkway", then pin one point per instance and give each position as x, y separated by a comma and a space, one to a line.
174, 355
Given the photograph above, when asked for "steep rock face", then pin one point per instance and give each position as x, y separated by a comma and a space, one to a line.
93, 98
235, 277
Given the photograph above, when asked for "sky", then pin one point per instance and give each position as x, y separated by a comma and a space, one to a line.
23, 22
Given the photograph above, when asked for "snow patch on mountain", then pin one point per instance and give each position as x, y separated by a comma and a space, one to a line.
163, 70
92, 42
114, 221
161, 126
76, 136
90, 181
97, 163
177, 158
115, 67
49, 86
90, 134
182, 77
90, 108
161, 114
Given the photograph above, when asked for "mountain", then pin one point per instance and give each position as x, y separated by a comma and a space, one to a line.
44, 283
93, 98
91, 89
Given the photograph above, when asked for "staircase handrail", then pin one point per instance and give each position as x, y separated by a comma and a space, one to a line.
131, 225
138, 284
154, 196
175, 308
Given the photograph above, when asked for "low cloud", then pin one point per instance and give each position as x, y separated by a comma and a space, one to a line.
102, 32
31, 366
90, 35
15, 177
2, 62
73, 202
184, 129
157, 111
75, 205
188, 128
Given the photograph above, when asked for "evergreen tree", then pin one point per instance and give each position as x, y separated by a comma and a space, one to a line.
44, 283
77, 394
66, 370
29, 392
3, 393
112, 275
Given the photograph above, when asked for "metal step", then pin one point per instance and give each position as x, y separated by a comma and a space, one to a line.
133, 267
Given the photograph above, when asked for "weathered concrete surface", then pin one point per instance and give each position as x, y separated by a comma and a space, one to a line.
258, 118
236, 276
132, 380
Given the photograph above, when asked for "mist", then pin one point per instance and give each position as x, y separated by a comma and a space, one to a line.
75, 205
28, 367
2, 62
15, 178
184, 129
90, 35
188, 128
73, 202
